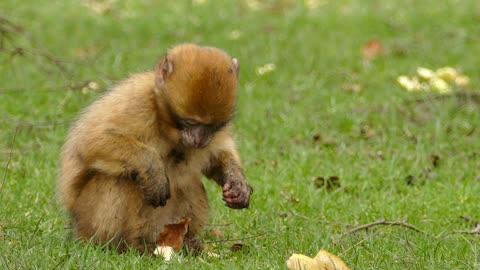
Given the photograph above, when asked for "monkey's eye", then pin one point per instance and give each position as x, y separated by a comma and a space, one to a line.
217, 127
188, 123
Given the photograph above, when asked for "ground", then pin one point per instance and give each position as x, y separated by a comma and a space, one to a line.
329, 139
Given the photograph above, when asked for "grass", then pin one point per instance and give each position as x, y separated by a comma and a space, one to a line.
294, 124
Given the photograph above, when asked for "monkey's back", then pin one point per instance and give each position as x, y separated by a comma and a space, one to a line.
124, 108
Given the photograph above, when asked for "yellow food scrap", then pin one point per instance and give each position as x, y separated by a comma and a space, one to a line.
323, 261
443, 80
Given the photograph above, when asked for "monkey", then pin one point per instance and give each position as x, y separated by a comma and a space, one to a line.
134, 159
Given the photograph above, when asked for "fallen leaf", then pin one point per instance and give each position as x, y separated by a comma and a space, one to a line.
377, 154
85, 51
372, 49
435, 159
326, 141
410, 180
352, 87
171, 239
330, 183
237, 247
368, 132
99, 7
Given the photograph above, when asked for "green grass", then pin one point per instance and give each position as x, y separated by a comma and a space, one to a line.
379, 141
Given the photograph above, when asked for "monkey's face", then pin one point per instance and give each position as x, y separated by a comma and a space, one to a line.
199, 85
194, 134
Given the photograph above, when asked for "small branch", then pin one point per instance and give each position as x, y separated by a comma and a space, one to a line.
385, 223
221, 225
11, 32
470, 219
238, 239
464, 95
474, 231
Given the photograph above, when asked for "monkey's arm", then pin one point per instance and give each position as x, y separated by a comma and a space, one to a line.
122, 155
226, 170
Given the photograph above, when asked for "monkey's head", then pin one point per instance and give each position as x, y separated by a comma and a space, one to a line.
199, 88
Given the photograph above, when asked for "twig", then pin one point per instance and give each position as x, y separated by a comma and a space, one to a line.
470, 219
221, 225
474, 231
7, 28
386, 223
460, 95
238, 239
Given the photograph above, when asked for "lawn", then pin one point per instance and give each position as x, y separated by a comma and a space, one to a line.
329, 139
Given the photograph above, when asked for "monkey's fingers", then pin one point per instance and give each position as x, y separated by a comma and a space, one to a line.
157, 195
236, 200
236, 194
227, 187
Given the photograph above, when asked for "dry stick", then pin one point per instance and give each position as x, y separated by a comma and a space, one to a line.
474, 231
377, 223
470, 219
384, 222
8, 27
460, 95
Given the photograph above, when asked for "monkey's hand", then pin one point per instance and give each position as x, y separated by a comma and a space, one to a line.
155, 186
236, 192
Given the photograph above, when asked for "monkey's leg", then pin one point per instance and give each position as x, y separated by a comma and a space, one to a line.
125, 156
107, 211
226, 170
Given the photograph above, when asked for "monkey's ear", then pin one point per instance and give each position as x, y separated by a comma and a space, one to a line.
163, 70
235, 65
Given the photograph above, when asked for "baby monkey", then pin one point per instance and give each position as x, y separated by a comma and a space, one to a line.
134, 159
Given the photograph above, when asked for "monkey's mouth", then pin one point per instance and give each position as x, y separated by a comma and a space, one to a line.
196, 144
194, 139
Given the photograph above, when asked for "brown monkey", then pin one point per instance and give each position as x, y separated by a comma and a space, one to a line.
133, 161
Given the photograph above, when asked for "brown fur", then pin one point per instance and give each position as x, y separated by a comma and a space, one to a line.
125, 172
